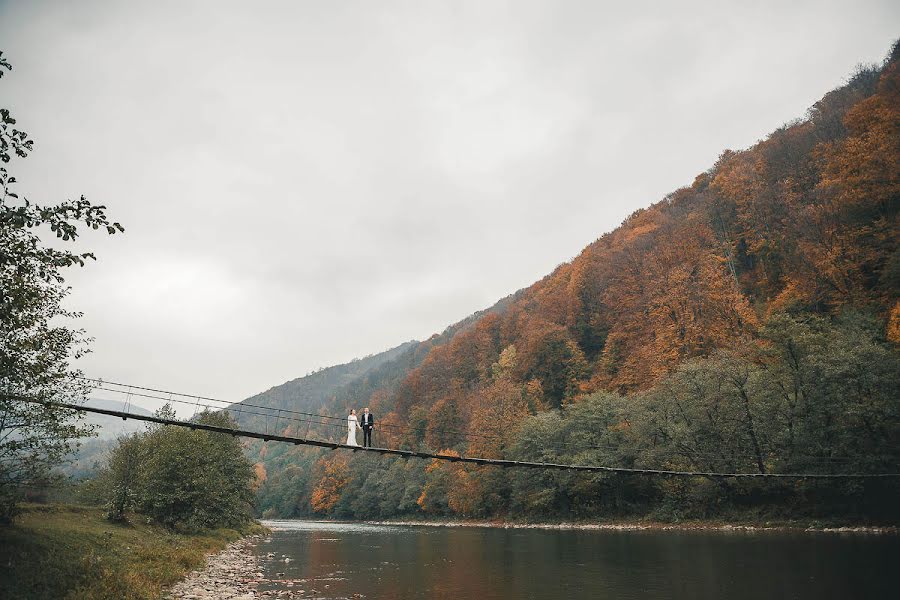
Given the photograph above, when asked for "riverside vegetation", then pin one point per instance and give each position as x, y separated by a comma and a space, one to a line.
193, 489
66, 551
193, 493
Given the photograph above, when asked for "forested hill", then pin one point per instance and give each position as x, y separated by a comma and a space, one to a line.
805, 220
314, 392
790, 237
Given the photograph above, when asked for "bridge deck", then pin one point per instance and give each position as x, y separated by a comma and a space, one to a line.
445, 457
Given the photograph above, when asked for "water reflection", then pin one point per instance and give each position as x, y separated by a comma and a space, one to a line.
347, 560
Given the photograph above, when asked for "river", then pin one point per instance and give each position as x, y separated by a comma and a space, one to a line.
339, 560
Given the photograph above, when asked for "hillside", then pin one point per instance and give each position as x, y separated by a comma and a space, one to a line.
107, 427
793, 238
315, 392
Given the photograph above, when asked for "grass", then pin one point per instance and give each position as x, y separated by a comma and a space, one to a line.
73, 552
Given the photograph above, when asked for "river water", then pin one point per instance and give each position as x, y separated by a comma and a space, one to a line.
339, 560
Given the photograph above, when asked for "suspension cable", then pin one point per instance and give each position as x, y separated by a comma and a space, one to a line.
446, 457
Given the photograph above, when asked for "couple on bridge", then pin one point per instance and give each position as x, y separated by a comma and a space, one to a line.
367, 424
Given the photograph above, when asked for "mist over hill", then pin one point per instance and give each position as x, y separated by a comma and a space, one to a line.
109, 427
312, 393
83, 461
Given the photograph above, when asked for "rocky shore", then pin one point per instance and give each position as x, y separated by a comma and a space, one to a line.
644, 526
232, 574
235, 573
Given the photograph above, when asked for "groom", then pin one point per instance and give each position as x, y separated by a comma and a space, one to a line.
367, 422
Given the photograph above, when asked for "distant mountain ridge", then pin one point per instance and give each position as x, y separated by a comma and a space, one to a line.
107, 429
332, 391
314, 392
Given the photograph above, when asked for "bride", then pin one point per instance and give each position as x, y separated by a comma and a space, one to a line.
352, 426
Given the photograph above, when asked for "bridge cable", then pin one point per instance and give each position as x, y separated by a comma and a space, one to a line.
445, 457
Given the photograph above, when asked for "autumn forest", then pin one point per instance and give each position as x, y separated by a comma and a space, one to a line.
748, 322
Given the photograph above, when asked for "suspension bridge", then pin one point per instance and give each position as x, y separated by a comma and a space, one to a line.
289, 415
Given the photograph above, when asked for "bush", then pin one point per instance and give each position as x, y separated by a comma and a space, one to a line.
185, 479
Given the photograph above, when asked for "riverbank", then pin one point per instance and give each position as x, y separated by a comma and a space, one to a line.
652, 525
232, 574
236, 573
73, 552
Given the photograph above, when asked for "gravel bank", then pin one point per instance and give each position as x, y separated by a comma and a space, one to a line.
232, 574
235, 573
687, 526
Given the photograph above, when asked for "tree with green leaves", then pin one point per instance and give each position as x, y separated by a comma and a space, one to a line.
122, 475
194, 479
36, 344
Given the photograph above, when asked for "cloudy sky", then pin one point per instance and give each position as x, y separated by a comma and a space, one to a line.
303, 183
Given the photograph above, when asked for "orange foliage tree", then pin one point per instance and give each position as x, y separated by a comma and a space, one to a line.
334, 475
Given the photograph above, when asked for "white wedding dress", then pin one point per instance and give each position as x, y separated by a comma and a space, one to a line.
352, 426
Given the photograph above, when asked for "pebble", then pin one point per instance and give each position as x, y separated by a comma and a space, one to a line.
232, 574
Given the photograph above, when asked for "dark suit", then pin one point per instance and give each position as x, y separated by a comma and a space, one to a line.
367, 422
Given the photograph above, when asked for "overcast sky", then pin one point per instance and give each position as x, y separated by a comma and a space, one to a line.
303, 183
